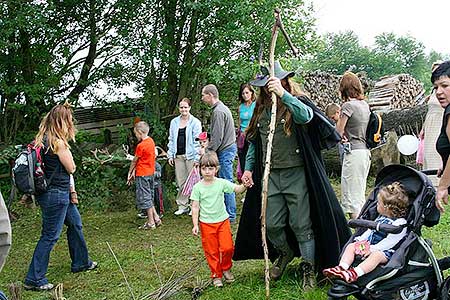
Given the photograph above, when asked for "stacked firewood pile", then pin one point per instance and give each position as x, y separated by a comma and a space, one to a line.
323, 87
397, 91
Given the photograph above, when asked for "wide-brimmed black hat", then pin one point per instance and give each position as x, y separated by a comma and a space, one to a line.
280, 73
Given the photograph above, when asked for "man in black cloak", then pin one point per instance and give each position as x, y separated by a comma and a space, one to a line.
303, 214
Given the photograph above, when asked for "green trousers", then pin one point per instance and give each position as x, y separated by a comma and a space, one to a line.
288, 201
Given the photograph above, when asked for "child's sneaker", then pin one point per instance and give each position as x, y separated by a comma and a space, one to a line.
217, 282
333, 272
229, 277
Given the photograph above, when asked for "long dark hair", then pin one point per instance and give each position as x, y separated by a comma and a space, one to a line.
264, 101
250, 88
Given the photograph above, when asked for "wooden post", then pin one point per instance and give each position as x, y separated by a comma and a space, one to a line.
265, 186
267, 163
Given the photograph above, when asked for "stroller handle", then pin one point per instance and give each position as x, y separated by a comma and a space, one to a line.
386, 228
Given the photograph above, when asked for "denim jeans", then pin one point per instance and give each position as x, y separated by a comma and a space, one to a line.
226, 158
3, 296
57, 210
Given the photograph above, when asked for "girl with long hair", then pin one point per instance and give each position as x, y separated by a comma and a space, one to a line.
55, 132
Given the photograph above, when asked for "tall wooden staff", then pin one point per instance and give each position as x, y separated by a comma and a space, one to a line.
278, 25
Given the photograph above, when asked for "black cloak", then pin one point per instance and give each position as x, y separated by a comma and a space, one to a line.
331, 231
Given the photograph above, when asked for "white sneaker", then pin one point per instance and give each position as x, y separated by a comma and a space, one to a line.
181, 211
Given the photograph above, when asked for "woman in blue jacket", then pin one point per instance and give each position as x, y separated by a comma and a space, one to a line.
183, 150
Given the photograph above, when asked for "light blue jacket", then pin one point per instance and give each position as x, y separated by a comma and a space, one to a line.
193, 129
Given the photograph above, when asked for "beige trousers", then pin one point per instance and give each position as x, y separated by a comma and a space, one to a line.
355, 169
182, 169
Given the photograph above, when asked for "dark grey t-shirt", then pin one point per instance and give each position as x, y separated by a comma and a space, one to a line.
358, 113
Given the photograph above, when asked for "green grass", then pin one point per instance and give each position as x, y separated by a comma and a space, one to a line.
175, 251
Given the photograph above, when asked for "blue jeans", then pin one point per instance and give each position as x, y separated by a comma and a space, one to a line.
226, 158
56, 211
3, 296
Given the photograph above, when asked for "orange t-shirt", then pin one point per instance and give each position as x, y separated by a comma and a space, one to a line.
145, 151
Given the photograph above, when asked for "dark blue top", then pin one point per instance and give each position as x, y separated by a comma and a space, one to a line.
52, 164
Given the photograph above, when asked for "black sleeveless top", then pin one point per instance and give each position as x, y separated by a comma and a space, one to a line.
52, 165
181, 141
442, 143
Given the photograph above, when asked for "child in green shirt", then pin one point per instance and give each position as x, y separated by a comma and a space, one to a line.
208, 207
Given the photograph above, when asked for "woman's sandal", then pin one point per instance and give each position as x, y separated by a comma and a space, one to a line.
158, 223
147, 226
41, 288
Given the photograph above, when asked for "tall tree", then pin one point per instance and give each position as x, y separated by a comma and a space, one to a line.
339, 52
55, 50
183, 44
391, 54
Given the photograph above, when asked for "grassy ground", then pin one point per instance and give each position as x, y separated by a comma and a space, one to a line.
175, 251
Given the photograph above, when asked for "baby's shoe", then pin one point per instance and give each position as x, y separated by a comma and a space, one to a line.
349, 275
333, 272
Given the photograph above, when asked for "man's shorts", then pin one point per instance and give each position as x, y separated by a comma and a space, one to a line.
144, 192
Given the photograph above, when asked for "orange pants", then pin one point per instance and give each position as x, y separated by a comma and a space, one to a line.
217, 243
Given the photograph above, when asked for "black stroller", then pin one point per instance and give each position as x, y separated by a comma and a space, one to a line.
413, 271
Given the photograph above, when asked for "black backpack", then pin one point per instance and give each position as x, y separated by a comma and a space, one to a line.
374, 131
28, 171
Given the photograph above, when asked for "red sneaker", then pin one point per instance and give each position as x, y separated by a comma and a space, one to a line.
334, 272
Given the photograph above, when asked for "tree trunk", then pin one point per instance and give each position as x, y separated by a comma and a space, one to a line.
186, 79
172, 52
83, 80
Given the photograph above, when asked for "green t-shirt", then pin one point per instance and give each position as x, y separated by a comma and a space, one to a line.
211, 199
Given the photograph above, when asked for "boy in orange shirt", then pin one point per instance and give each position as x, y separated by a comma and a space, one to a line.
142, 169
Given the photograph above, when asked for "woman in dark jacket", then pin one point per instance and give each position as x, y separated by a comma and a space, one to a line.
55, 130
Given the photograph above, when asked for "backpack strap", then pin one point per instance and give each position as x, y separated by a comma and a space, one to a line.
41, 158
377, 137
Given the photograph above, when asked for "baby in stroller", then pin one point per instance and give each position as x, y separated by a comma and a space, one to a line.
405, 269
373, 246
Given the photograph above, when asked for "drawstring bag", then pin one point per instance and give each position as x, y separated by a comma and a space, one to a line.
193, 178
239, 172
240, 139
420, 152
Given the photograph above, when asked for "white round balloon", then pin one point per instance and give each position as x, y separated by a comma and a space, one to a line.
408, 144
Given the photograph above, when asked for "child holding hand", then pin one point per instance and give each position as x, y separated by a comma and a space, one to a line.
373, 246
209, 216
